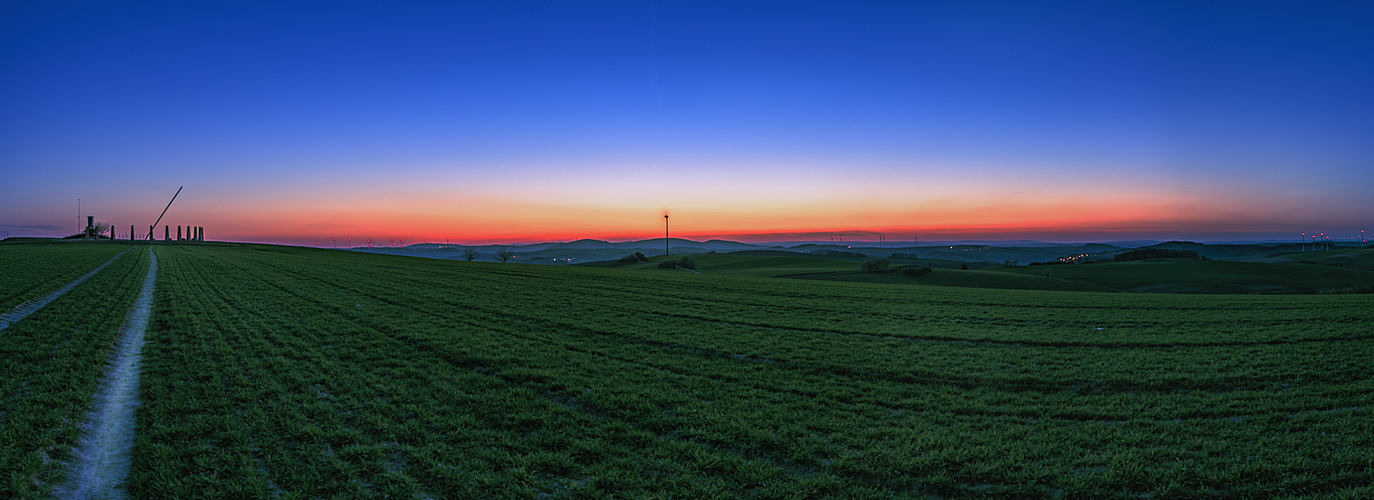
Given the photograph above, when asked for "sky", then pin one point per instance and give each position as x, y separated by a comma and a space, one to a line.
515, 121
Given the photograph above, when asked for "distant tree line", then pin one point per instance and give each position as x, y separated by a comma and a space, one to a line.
685, 263
874, 266
916, 271
837, 253
1156, 253
632, 259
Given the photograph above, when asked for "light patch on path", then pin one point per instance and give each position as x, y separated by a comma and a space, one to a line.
100, 462
28, 307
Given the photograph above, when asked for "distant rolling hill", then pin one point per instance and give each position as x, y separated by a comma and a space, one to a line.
1208, 276
1145, 276
1248, 268
573, 252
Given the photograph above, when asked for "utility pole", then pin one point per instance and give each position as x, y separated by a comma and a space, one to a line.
665, 236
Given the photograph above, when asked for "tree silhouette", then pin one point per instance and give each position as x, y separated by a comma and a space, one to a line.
100, 229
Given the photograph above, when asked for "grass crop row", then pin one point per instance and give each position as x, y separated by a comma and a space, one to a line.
700, 385
50, 366
254, 389
31, 270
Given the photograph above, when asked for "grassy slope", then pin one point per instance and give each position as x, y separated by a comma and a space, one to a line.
1199, 276
1354, 258
746, 265
323, 374
774, 264
768, 266
971, 278
31, 269
1156, 276
345, 374
51, 361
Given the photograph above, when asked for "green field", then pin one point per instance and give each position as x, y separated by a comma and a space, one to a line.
779, 264
300, 373
50, 362
1354, 258
1208, 276
31, 270
1338, 272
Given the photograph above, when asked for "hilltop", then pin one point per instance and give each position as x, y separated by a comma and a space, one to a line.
1267, 268
590, 250
1336, 271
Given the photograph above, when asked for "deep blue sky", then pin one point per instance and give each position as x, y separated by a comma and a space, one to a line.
505, 121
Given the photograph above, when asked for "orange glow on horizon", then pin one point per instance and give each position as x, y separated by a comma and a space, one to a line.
512, 223
537, 213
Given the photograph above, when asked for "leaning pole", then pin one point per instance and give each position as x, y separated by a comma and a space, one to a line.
164, 212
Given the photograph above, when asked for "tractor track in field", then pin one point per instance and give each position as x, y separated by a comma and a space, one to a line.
31, 306
101, 459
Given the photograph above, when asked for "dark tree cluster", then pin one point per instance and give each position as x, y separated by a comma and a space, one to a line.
1155, 253
874, 266
632, 259
916, 272
685, 263
837, 253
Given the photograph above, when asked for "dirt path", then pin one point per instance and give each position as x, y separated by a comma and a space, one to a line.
100, 461
28, 307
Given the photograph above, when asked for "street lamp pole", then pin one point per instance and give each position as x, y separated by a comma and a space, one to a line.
665, 235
